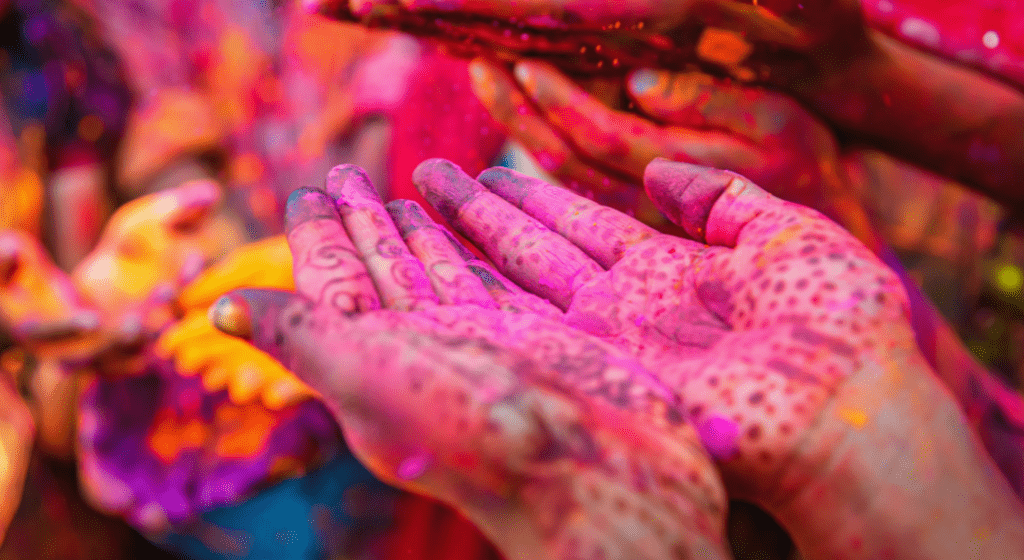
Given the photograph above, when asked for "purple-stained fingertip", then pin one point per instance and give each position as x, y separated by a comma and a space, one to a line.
350, 186
445, 186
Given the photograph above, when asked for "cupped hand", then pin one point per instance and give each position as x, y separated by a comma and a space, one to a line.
683, 116
551, 440
783, 336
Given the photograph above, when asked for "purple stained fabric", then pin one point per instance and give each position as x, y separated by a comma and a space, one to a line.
123, 470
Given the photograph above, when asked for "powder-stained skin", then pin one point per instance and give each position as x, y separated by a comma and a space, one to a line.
758, 326
779, 338
526, 425
487, 401
762, 326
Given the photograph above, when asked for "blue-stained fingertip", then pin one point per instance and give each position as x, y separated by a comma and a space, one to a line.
307, 203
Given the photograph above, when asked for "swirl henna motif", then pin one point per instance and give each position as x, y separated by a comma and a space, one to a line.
782, 336
497, 413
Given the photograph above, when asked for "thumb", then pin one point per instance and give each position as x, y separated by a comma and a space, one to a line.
712, 205
263, 317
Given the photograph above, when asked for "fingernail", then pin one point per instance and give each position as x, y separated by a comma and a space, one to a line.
642, 80
445, 186
306, 204
349, 185
231, 315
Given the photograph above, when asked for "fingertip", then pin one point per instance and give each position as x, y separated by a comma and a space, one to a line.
479, 71
524, 73
445, 186
507, 183
307, 203
231, 315
350, 185
642, 80
198, 193
408, 216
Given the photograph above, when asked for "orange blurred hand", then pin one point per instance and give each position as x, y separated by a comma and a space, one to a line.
149, 249
38, 301
687, 116
197, 348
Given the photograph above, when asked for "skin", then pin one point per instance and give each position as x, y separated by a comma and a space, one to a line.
150, 248
17, 432
533, 441
40, 304
690, 117
760, 134
784, 337
937, 114
794, 401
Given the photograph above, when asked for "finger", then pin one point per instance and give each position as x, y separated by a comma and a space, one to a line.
263, 264
245, 384
255, 315
623, 141
716, 206
548, 13
194, 326
603, 233
536, 258
506, 103
695, 99
328, 268
38, 300
399, 276
449, 274
216, 348
286, 391
216, 378
181, 207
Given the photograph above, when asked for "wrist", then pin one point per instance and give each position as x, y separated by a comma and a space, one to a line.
897, 473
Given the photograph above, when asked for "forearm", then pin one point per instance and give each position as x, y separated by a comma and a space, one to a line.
903, 477
945, 118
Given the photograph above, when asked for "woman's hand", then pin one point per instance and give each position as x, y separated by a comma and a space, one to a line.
552, 440
40, 304
784, 337
682, 116
150, 249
